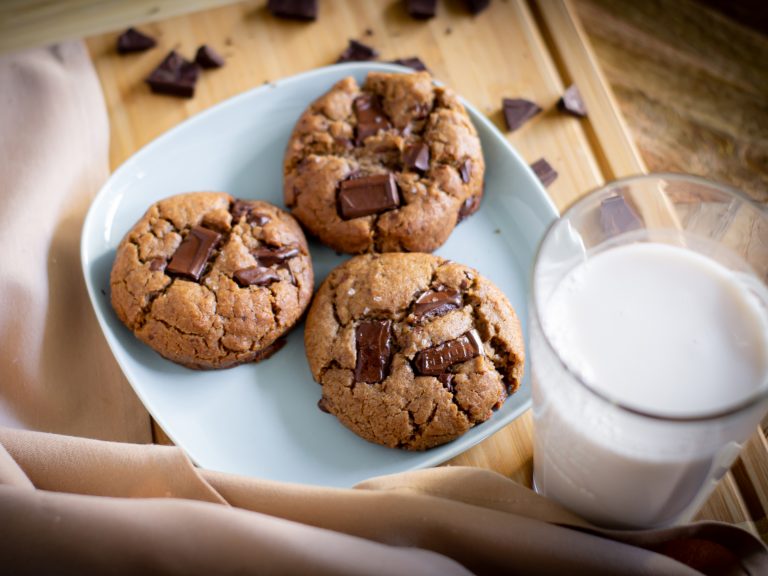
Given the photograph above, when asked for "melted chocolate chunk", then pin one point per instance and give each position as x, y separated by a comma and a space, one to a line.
572, 103
517, 111
207, 57
193, 253
414, 62
436, 303
421, 9
544, 171
157, 264
175, 76
255, 276
374, 348
436, 360
617, 216
370, 116
134, 41
416, 157
466, 170
294, 9
469, 207
272, 256
240, 209
357, 52
323, 405
446, 379
368, 195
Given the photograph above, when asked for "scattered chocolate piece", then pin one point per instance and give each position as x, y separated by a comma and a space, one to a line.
207, 57
416, 157
617, 216
193, 253
272, 256
436, 360
517, 111
157, 264
448, 31
357, 52
370, 116
466, 170
175, 76
103, 292
414, 62
368, 32
323, 405
436, 303
134, 41
469, 207
421, 9
294, 9
477, 6
255, 275
240, 209
446, 379
368, 195
572, 103
374, 348
544, 172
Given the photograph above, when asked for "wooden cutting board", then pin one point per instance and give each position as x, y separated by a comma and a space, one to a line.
513, 49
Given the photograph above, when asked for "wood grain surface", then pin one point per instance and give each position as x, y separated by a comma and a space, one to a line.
513, 49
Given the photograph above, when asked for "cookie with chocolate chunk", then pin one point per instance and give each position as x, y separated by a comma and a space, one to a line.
412, 350
209, 281
392, 165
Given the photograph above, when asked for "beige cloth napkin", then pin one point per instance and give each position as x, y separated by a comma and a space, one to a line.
56, 371
72, 505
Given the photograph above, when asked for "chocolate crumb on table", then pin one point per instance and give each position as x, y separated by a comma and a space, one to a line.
293, 9
517, 111
477, 6
572, 103
544, 172
421, 9
207, 57
413, 62
617, 216
134, 41
356, 51
174, 76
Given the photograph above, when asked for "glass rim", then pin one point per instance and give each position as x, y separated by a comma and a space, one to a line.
753, 399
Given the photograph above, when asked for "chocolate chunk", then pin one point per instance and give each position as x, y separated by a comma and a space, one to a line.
446, 379
134, 41
370, 116
255, 275
323, 405
617, 216
193, 253
517, 111
436, 360
469, 207
294, 9
544, 171
157, 264
477, 6
414, 62
374, 347
572, 103
272, 256
357, 52
207, 57
421, 9
175, 76
368, 195
416, 157
436, 303
240, 209
466, 170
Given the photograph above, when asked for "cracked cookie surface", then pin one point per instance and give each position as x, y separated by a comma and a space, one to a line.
209, 281
399, 124
412, 350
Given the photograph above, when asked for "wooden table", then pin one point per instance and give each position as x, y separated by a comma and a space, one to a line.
514, 48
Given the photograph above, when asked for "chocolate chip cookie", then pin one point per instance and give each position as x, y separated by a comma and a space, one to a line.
209, 281
412, 350
390, 166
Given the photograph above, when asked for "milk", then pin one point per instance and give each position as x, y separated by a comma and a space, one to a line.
673, 337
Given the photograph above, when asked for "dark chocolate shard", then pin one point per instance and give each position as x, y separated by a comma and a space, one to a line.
207, 57
175, 76
436, 360
416, 157
544, 171
436, 303
617, 216
446, 379
413, 62
572, 103
370, 116
241, 208
468, 207
465, 170
134, 41
477, 6
193, 253
374, 348
517, 111
157, 264
356, 51
255, 276
368, 195
271, 256
421, 9
305, 10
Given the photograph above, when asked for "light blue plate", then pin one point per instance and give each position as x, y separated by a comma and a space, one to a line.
262, 419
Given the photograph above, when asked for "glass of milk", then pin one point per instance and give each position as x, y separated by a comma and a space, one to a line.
649, 347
